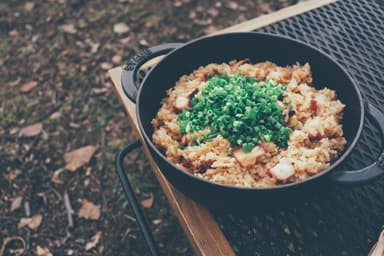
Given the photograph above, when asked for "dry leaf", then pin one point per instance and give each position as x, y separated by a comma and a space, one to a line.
88, 171
117, 59
213, 12
13, 32
36, 221
33, 222
16, 203
31, 130
203, 22
79, 157
233, 5
106, 65
177, 3
89, 210
143, 42
94, 47
69, 28
74, 125
94, 241
29, 6
126, 40
28, 86
210, 30
55, 115
43, 251
148, 202
192, 14
99, 90
120, 28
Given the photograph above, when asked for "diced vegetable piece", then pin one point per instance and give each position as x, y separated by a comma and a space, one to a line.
283, 170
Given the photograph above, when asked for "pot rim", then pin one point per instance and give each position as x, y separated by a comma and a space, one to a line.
326, 171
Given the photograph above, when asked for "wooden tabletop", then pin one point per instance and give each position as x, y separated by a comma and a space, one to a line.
197, 222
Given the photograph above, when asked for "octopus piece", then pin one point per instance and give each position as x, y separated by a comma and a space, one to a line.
283, 170
246, 159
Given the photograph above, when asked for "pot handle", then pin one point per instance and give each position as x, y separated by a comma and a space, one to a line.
374, 170
132, 198
130, 78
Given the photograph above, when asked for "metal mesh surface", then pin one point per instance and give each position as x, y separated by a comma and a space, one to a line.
345, 220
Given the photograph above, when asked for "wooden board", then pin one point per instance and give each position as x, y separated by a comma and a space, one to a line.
197, 222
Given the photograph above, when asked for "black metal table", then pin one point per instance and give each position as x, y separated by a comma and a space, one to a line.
339, 220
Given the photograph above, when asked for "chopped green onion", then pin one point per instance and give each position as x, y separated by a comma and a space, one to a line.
242, 109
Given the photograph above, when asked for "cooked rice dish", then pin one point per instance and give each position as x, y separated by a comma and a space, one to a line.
299, 137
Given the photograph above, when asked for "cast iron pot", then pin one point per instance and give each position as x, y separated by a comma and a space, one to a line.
257, 47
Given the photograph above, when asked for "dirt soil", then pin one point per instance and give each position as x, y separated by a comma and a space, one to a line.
61, 124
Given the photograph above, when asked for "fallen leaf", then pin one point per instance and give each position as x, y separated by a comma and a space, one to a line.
192, 14
79, 157
31, 130
29, 27
94, 241
33, 222
36, 221
148, 202
99, 90
94, 47
143, 42
43, 251
55, 115
213, 12
120, 28
16, 203
210, 30
125, 40
203, 22
89, 210
106, 65
117, 59
74, 125
28, 86
178, 4
233, 5
69, 28
88, 171
13, 32
29, 6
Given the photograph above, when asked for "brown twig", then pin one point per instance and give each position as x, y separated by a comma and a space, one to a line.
69, 209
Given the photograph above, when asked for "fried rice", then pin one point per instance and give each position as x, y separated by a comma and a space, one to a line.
315, 141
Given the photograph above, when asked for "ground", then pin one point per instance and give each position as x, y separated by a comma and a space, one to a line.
56, 97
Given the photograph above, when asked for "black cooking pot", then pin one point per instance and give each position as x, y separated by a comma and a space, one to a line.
257, 47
